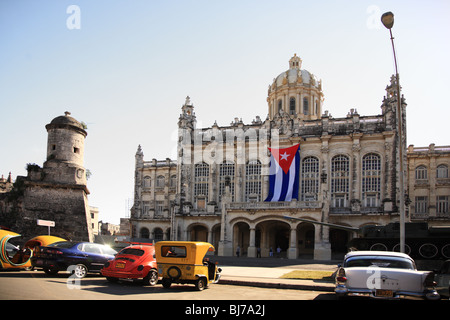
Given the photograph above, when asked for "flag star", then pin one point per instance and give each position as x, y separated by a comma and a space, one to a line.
284, 156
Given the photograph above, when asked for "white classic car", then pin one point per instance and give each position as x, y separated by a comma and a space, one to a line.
384, 275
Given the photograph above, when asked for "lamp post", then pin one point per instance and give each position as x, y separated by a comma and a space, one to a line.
388, 21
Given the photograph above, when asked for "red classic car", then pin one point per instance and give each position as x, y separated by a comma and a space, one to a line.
133, 262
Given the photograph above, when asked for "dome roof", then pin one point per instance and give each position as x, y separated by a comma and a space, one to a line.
68, 122
295, 75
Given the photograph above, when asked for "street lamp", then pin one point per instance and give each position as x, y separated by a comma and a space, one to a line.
388, 21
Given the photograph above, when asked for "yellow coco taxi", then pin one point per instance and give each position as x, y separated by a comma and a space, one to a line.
11, 256
185, 262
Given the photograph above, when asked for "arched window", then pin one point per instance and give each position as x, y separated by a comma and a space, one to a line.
147, 183
442, 171
280, 105
253, 181
160, 182
371, 180
310, 179
421, 173
340, 176
173, 181
226, 169
292, 106
305, 106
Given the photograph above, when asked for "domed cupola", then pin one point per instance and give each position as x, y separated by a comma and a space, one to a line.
296, 92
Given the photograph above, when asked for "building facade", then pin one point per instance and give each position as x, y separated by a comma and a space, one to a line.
215, 190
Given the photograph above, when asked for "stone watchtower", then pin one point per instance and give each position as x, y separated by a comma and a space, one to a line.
65, 151
57, 191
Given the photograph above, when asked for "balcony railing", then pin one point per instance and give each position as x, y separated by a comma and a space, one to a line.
275, 205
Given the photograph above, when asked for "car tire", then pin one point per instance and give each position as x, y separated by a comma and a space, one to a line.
174, 273
151, 278
166, 283
112, 279
80, 271
200, 284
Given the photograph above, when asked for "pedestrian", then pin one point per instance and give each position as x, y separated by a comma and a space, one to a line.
271, 252
278, 252
238, 251
258, 252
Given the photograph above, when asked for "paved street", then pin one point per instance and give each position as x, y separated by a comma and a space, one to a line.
30, 285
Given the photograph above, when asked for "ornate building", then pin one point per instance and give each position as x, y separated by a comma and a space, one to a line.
216, 188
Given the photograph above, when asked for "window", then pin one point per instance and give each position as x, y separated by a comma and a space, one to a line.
226, 169
173, 251
145, 208
442, 171
305, 106
76, 150
421, 173
371, 179
421, 205
292, 106
340, 173
159, 208
147, 183
442, 204
253, 181
201, 184
310, 179
280, 105
173, 181
160, 182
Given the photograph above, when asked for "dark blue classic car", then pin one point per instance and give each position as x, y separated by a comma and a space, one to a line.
78, 258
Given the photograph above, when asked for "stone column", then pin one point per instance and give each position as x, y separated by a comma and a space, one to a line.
251, 251
293, 250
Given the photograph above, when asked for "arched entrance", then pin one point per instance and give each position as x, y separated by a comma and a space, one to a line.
338, 240
272, 234
198, 233
305, 239
241, 238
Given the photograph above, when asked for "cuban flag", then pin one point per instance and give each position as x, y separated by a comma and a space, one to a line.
284, 174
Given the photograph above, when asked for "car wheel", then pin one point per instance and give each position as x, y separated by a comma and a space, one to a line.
151, 278
80, 271
174, 273
166, 283
200, 284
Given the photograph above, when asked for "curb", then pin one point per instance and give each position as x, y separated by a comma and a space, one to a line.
277, 285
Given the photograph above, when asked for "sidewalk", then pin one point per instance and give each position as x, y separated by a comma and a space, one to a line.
266, 272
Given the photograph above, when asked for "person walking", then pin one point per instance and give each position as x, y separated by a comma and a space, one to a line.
238, 251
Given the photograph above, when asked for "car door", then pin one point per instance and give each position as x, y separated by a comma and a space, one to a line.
95, 259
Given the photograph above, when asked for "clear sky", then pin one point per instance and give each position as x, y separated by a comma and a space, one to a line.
125, 68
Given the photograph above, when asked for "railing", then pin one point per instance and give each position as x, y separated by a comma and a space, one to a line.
276, 205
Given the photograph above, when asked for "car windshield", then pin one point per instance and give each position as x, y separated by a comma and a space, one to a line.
379, 261
132, 251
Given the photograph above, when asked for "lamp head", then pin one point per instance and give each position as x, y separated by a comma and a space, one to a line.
388, 19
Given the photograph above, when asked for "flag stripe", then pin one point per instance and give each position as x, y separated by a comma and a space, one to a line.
283, 186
